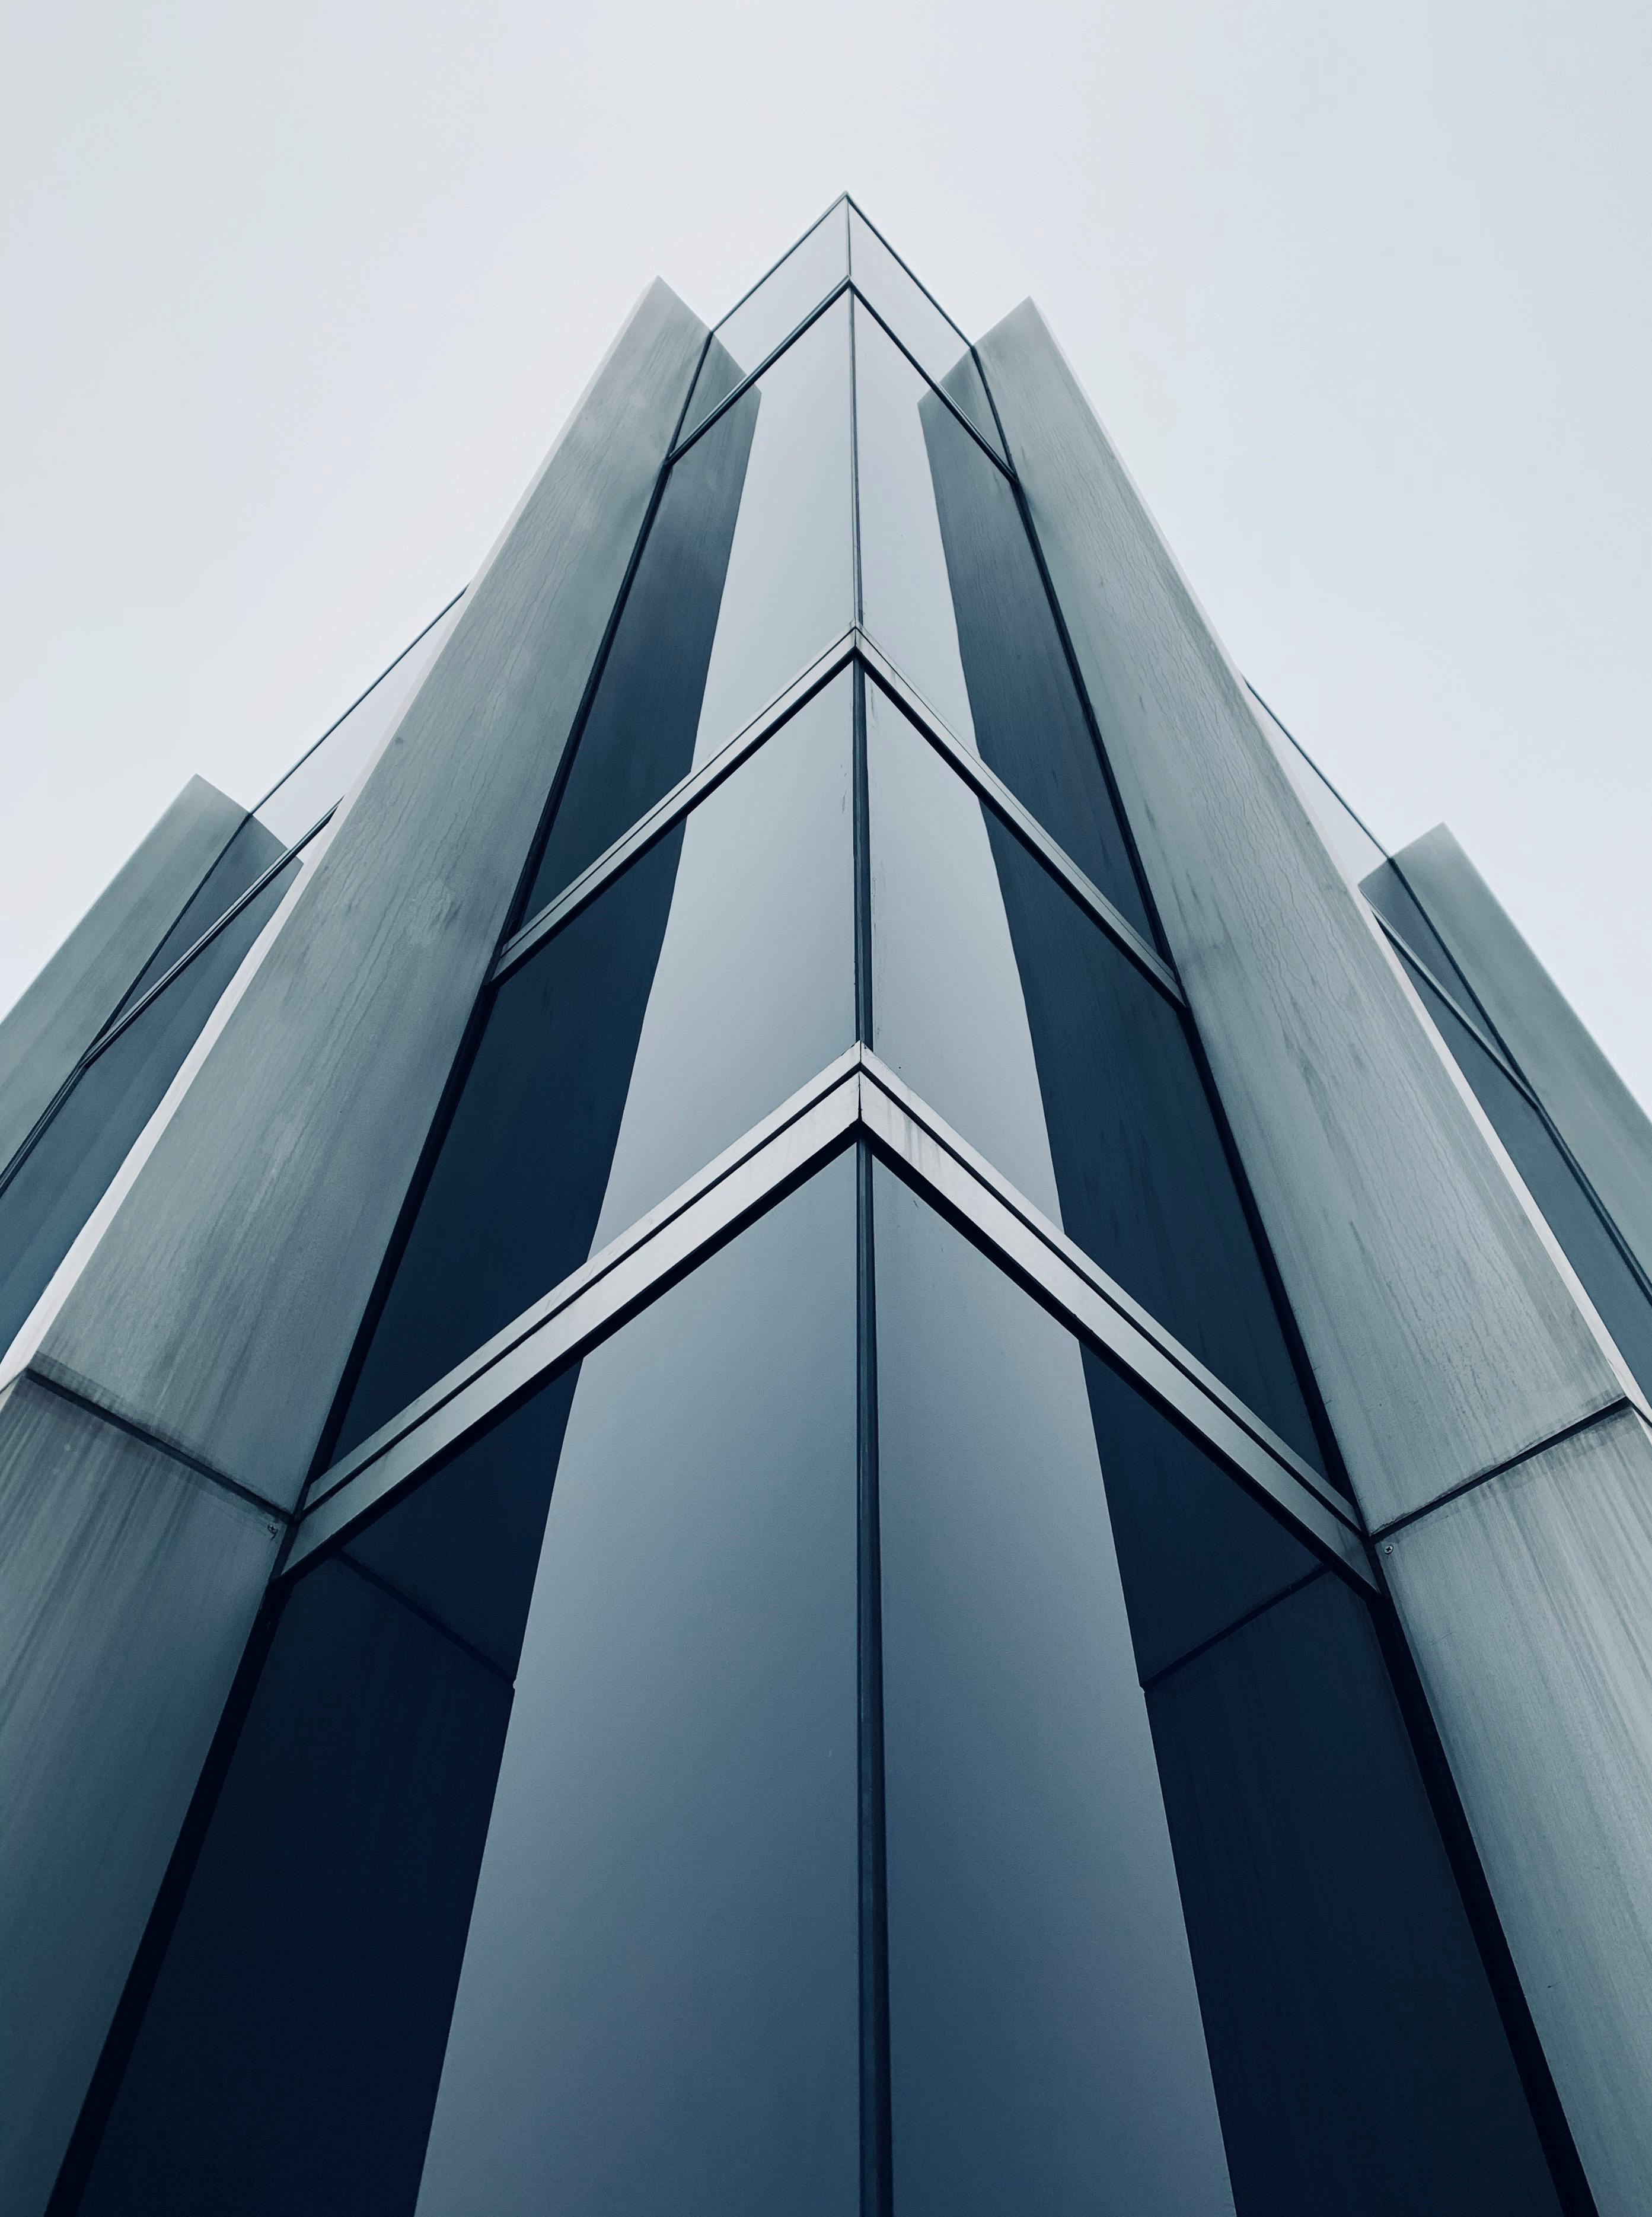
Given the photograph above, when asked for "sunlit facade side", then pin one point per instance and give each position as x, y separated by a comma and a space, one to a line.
790, 1426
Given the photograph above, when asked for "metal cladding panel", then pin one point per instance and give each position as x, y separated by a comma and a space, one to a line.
127, 1588
219, 1306
1598, 1117
1442, 1325
59, 1017
1526, 1604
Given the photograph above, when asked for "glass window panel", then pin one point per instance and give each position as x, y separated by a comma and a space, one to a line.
1046, 2053
935, 342
322, 777
707, 982
906, 602
948, 1013
1343, 833
754, 989
790, 590
1043, 2057
660, 2003
659, 2006
638, 739
771, 311
1359, 2060
56, 1186
354, 1812
1030, 723
1006, 1007
1608, 1277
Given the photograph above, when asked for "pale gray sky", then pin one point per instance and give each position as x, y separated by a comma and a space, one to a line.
296, 298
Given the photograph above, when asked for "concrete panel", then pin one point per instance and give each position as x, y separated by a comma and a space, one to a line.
1445, 1329
1598, 1117
49, 1028
219, 1308
1528, 1603
127, 1588
1447, 1332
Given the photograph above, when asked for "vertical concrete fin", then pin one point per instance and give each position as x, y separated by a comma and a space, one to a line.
1447, 1334
219, 1308
1599, 1119
177, 1392
56, 1019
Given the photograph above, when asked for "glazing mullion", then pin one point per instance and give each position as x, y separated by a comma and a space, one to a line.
876, 2166
855, 469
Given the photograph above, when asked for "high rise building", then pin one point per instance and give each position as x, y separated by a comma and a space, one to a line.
789, 1427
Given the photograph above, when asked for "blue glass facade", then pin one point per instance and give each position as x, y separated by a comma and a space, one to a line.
829, 1660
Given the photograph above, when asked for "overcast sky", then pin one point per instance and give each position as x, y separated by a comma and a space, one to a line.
296, 297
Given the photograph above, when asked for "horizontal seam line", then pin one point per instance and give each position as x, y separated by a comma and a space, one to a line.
179, 1456
1512, 1462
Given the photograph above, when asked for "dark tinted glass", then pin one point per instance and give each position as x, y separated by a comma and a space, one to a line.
1046, 2045
772, 310
790, 588
707, 982
1002, 1002
1042, 2052
312, 1970
1359, 2061
659, 2005
60, 1180
1030, 724
933, 340
639, 736
1608, 1279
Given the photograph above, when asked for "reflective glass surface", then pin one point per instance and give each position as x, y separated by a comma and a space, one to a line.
1005, 1006
1361, 2064
638, 739
1608, 1278
322, 776
1134, 1728
790, 588
704, 984
948, 1013
772, 310
935, 342
906, 602
1346, 837
656, 1977
1030, 723
659, 2005
56, 1186
1046, 2052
